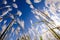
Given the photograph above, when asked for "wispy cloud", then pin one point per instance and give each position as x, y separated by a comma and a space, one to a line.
50, 2
31, 21
53, 9
56, 20
4, 2
15, 5
5, 21
19, 13
34, 32
31, 6
7, 6
21, 23
6, 12
37, 17
11, 15
37, 1
14, 0
28, 1
53, 6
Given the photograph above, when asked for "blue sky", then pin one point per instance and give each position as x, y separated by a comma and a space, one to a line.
26, 17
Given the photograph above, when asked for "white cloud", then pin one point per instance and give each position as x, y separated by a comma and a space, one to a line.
11, 15
31, 21
37, 17
37, 1
18, 28
19, 13
31, 6
59, 11
14, 0
5, 21
54, 6
56, 20
28, 2
33, 33
6, 12
52, 10
20, 22
58, 5
44, 30
15, 5
7, 6
4, 2
50, 2
9, 9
